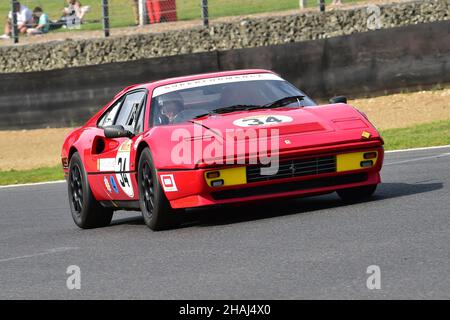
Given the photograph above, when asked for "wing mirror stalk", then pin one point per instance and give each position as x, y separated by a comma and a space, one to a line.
117, 131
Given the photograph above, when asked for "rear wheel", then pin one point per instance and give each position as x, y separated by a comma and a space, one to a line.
358, 193
156, 209
86, 212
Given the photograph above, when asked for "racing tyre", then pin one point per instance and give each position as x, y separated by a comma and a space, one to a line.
87, 212
358, 193
156, 209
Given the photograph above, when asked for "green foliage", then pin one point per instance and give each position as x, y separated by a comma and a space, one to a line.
423, 135
30, 176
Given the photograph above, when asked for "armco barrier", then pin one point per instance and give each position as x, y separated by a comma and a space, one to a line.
360, 64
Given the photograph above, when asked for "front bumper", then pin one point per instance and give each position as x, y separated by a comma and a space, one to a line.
192, 188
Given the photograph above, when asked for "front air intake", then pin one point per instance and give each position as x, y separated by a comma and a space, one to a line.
294, 168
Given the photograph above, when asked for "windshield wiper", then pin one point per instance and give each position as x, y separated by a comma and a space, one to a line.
237, 107
281, 102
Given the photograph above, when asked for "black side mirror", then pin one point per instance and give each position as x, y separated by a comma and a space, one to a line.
117, 131
338, 99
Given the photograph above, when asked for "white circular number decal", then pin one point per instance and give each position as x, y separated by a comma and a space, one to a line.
261, 120
122, 167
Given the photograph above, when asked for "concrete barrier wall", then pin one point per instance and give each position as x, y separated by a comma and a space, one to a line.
59, 98
362, 64
358, 64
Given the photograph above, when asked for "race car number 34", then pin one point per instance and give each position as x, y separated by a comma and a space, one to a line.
261, 120
122, 167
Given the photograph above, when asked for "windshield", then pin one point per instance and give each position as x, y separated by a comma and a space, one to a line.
182, 102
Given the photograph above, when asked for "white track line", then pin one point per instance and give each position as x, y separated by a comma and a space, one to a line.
46, 252
418, 149
418, 159
31, 184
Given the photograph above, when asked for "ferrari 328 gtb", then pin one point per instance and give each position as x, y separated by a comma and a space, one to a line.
216, 139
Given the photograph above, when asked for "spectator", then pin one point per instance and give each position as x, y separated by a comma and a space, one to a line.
24, 19
43, 22
72, 15
75, 8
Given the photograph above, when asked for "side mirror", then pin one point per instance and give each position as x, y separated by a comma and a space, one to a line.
338, 99
117, 131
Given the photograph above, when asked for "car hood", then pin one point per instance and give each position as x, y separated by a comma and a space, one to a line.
281, 130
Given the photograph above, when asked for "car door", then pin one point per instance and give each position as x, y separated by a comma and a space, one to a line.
115, 177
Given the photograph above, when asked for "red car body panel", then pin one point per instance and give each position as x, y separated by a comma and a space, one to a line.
326, 130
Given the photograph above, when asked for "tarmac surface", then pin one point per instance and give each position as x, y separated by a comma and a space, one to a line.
311, 248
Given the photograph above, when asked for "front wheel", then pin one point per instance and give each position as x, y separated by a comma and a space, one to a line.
156, 209
86, 212
358, 193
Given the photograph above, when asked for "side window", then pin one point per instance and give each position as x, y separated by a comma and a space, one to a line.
129, 112
108, 118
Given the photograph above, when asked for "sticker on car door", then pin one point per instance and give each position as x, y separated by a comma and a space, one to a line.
122, 168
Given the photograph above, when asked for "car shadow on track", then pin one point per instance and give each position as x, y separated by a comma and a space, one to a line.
235, 214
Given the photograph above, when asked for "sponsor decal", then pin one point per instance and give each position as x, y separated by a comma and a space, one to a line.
262, 120
211, 81
107, 185
126, 146
113, 184
168, 182
365, 135
122, 168
105, 165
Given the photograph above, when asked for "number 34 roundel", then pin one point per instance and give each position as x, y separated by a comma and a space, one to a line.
122, 168
261, 120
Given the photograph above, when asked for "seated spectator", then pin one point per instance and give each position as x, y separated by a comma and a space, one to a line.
75, 8
42, 24
72, 15
24, 20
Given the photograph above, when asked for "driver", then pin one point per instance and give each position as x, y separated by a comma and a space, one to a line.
170, 106
171, 109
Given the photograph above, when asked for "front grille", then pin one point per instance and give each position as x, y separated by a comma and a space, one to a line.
290, 186
295, 168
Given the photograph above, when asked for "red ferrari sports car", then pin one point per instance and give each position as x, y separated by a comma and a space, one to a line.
213, 139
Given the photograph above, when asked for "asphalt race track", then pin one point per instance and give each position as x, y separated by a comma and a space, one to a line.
304, 248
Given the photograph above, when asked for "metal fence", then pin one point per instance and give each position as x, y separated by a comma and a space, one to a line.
71, 15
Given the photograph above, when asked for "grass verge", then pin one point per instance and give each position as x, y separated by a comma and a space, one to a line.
31, 176
423, 135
